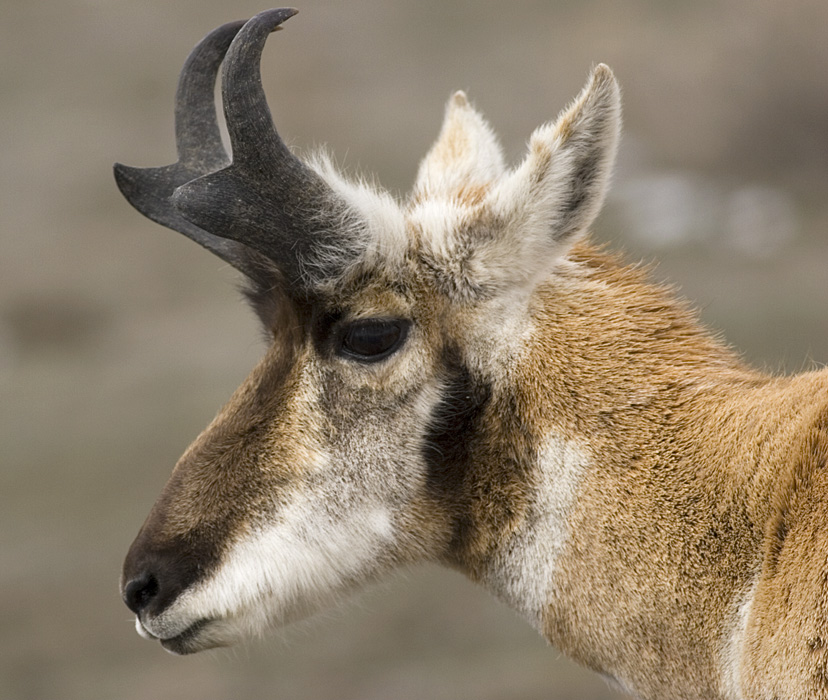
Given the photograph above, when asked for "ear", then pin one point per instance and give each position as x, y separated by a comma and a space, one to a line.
465, 158
529, 218
558, 190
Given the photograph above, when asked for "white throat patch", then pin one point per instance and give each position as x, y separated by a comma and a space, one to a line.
523, 572
734, 640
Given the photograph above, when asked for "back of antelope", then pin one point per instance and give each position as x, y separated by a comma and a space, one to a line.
462, 378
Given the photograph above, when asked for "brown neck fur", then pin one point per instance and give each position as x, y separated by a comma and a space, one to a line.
691, 467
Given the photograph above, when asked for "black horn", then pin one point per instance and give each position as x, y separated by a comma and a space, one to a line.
200, 151
266, 199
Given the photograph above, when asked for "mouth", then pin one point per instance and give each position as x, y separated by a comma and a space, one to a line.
185, 642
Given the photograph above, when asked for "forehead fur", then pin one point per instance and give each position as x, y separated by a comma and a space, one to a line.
450, 190
384, 238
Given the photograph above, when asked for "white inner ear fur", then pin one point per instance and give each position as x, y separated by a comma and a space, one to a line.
558, 190
525, 221
553, 197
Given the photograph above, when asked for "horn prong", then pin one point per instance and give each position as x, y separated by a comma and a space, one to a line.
265, 203
267, 198
199, 146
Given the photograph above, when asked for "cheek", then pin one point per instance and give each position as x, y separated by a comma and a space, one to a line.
305, 561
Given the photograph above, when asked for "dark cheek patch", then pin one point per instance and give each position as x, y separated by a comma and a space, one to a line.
454, 430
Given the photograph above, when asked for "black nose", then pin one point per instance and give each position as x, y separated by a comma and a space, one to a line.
158, 569
140, 591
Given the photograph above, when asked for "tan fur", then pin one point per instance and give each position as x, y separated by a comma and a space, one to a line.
671, 524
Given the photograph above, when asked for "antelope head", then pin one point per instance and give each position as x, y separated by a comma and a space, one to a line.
382, 427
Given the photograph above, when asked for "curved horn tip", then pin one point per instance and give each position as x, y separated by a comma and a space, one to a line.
276, 16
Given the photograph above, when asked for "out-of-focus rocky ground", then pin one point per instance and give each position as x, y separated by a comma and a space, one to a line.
119, 340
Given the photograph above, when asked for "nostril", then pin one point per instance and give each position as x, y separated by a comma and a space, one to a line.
139, 592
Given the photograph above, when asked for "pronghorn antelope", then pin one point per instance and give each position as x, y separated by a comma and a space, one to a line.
463, 378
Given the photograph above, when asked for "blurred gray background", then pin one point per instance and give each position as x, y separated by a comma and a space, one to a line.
119, 340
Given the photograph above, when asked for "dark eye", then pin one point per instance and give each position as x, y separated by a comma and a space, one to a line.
374, 339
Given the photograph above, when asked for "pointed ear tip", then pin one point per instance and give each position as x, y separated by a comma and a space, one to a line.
603, 77
458, 103
459, 99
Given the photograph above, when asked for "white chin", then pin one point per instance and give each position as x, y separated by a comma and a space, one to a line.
199, 636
